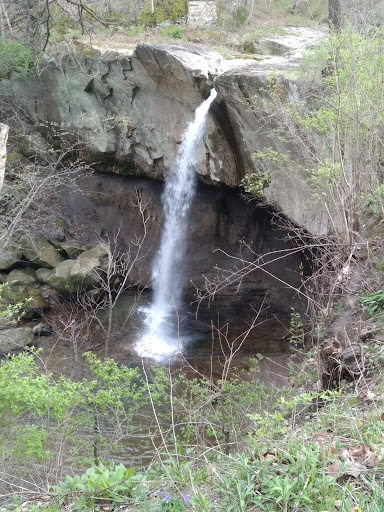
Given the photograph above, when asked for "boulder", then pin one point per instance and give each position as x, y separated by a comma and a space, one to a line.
42, 329
74, 250
38, 250
41, 274
16, 339
23, 277
9, 256
76, 276
35, 303
291, 44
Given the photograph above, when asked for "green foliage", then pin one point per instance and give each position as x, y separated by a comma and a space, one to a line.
99, 485
240, 15
325, 176
12, 311
295, 330
200, 501
136, 30
174, 31
15, 58
255, 183
163, 11
374, 302
114, 392
373, 204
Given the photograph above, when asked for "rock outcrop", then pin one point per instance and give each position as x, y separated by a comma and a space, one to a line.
131, 109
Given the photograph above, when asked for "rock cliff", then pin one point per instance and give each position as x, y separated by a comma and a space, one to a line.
131, 108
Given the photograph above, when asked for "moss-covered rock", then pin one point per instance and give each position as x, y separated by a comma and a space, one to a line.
73, 250
33, 302
38, 250
75, 276
23, 277
9, 256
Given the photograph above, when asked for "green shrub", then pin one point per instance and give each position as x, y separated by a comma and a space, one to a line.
135, 30
374, 302
162, 12
240, 16
99, 485
174, 31
15, 58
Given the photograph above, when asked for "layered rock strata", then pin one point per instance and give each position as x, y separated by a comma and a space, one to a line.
131, 108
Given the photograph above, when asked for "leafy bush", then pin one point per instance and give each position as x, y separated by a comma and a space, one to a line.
374, 302
240, 16
163, 11
15, 58
114, 392
176, 32
99, 485
373, 204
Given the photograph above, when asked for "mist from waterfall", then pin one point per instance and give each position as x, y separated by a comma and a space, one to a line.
168, 274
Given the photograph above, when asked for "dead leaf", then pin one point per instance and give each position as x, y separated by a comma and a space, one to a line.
334, 468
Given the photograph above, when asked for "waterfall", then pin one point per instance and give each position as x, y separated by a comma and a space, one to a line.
168, 274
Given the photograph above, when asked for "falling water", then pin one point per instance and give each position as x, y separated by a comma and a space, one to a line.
168, 272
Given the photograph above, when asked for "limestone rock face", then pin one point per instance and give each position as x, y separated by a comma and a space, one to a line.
287, 188
131, 108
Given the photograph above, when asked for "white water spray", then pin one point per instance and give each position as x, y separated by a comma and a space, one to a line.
168, 275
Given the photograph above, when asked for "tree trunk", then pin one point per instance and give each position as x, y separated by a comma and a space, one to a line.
3, 151
335, 14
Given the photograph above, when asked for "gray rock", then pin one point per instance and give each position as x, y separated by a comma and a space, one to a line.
74, 250
15, 339
132, 109
9, 257
76, 276
38, 250
42, 329
291, 45
21, 277
41, 274
35, 303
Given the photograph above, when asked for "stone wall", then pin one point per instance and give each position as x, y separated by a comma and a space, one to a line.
202, 12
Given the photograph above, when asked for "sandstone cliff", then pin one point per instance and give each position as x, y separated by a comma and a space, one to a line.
131, 107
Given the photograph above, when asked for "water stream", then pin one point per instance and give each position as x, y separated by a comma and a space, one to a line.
168, 274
